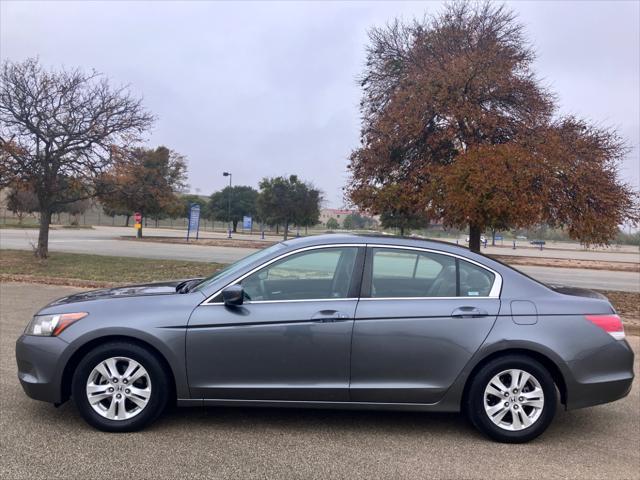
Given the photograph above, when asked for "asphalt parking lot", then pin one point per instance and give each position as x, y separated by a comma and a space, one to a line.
40, 441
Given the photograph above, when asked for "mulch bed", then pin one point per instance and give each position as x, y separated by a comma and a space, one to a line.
627, 304
210, 242
64, 282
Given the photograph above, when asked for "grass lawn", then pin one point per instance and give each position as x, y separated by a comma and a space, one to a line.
18, 225
98, 268
35, 226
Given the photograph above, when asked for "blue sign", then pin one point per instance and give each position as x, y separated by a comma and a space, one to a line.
194, 220
499, 237
247, 222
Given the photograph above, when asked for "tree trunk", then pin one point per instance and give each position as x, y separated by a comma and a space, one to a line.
235, 225
402, 231
474, 238
277, 228
126, 223
493, 237
286, 229
42, 251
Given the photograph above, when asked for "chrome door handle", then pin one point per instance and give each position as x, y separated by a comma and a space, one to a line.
329, 316
468, 312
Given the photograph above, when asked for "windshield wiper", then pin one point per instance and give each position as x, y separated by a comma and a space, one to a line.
184, 287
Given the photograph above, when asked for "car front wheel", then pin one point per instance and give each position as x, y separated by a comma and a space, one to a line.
120, 387
512, 399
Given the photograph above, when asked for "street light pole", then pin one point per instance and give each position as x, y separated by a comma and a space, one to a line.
228, 174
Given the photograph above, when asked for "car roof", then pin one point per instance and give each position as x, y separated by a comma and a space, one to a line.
372, 238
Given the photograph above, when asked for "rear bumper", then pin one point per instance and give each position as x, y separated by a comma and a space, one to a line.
603, 376
588, 395
39, 371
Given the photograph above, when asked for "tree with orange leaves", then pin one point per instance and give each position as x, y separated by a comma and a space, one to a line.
145, 181
456, 127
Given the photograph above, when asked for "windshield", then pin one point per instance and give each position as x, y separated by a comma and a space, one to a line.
234, 268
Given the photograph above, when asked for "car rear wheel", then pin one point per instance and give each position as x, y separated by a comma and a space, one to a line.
120, 387
512, 399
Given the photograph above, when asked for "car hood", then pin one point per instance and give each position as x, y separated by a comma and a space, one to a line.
156, 288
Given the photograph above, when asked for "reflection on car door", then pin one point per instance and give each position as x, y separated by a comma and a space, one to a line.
412, 349
290, 340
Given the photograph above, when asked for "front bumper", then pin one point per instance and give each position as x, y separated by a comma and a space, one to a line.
40, 366
602, 376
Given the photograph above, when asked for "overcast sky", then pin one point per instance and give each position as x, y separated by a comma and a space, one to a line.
266, 89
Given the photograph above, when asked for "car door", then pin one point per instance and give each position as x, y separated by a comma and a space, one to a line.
289, 340
422, 315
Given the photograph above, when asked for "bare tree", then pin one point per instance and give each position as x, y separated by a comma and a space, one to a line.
58, 130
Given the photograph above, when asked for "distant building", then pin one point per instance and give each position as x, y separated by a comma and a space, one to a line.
338, 214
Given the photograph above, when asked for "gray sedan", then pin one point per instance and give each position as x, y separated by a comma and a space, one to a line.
334, 321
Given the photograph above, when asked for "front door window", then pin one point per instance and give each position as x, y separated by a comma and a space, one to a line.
316, 274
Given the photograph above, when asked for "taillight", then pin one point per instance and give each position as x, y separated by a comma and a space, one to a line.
609, 323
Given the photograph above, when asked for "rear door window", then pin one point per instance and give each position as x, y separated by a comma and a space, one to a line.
475, 281
403, 273
411, 273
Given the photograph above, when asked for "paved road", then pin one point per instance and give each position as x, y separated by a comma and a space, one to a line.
17, 238
103, 241
39, 441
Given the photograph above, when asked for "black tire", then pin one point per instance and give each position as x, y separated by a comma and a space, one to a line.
475, 407
159, 391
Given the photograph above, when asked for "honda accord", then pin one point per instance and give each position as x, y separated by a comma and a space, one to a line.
334, 321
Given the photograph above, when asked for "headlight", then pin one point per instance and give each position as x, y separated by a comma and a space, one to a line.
52, 325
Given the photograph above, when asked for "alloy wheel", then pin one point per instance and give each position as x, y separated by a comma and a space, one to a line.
118, 388
513, 400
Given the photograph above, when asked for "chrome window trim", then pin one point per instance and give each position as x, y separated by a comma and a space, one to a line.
425, 298
284, 255
496, 288
251, 302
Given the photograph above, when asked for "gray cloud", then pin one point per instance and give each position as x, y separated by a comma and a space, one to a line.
270, 88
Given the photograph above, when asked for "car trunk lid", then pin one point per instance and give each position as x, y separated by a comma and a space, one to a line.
577, 292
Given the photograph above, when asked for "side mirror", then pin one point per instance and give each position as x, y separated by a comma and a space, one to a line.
233, 295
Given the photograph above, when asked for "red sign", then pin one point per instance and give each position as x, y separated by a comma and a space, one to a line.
137, 217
